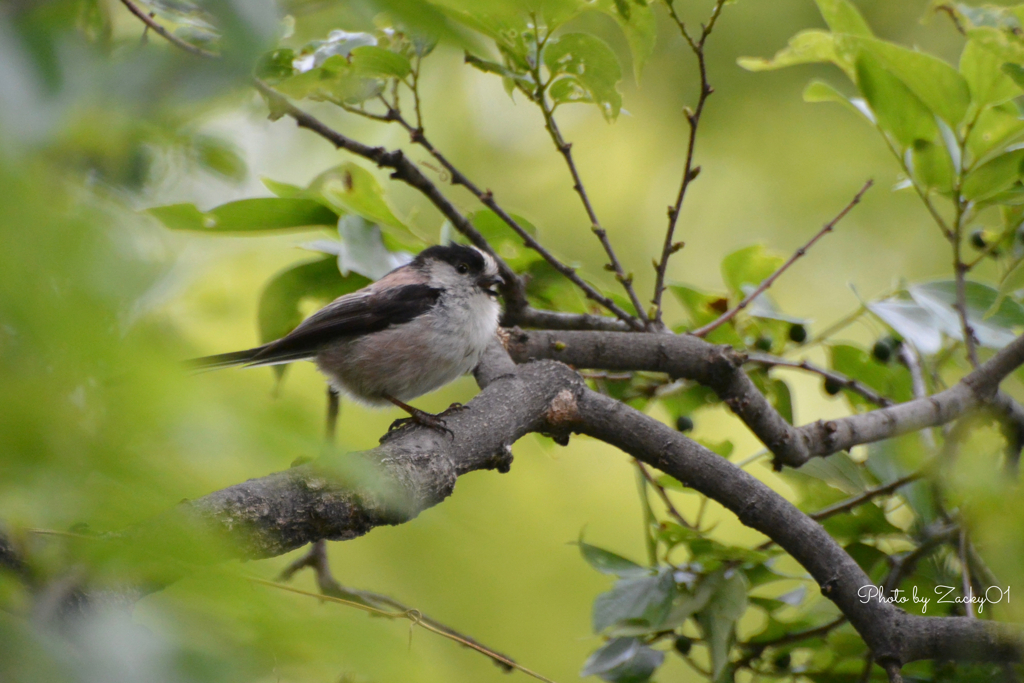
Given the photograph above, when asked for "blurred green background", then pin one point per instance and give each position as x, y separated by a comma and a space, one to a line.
100, 425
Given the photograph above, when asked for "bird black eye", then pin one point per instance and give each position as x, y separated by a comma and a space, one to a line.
462, 268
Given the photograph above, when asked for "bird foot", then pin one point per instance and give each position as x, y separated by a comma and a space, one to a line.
454, 408
425, 419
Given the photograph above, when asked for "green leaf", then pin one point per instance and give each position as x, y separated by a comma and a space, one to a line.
336, 80
807, 47
371, 60
639, 27
891, 380
988, 84
350, 188
898, 111
995, 175
609, 563
280, 307
718, 619
522, 79
1004, 44
749, 266
842, 17
287, 190
685, 400
931, 165
643, 600
702, 306
911, 321
934, 82
584, 69
819, 91
500, 236
623, 660
837, 470
993, 329
764, 307
1012, 282
722, 448
362, 249
776, 391
247, 215
863, 521
219, 156
275, 66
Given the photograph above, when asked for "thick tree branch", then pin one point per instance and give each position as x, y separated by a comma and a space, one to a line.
718, 367
892, 635
417, 468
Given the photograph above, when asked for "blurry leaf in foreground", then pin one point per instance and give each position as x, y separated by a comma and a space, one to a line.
220, 157
246, 215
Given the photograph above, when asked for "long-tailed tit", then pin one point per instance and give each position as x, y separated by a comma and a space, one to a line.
416, 329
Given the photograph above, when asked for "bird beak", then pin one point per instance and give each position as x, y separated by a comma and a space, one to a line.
489, 282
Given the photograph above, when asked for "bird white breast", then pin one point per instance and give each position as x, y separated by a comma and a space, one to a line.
409, 360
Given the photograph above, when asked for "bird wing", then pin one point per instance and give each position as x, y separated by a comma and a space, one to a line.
362, 312
373, 308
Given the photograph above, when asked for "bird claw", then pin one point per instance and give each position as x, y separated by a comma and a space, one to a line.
424, 419
454, 408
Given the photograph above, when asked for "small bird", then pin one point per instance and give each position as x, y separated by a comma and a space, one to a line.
414, 330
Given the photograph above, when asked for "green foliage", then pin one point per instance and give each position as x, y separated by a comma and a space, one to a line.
98, 426
247, 215
583, 68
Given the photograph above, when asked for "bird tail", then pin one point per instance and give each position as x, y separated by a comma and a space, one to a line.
260, 355
223, 360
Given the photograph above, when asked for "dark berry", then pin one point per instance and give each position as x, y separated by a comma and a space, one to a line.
763, 344
684, 423
882, 351
832, 386
978, 239
682, 645
798, 334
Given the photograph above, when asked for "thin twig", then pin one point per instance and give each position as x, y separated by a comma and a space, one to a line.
690, 172
827, 228
157, 28
486, 197
757, 648
850, 503
841, 379
316, 559
565, 149
412, 615
854, 501
663, 494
